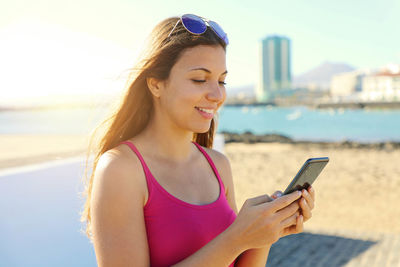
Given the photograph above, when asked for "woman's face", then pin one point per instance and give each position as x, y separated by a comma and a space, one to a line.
195, 88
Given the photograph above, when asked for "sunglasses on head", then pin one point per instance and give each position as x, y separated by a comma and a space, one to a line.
198, 25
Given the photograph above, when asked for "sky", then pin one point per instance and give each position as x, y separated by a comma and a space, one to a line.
84, 47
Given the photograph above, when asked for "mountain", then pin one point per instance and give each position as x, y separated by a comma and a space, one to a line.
320, 76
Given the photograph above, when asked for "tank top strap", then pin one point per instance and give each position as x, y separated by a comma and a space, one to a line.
144, 165
211, 164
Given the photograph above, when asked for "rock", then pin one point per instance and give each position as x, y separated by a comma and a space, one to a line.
249, 138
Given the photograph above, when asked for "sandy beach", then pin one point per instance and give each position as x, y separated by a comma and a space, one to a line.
357, 191
20, 150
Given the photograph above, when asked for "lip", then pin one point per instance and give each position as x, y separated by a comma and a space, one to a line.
214, 108
205, 114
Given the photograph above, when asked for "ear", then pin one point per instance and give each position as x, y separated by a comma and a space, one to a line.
154, 86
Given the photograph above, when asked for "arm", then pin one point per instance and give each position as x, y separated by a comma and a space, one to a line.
250, 257
221, 251
253, 257
279, 217
118, 227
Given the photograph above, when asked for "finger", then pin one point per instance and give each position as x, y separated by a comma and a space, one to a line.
308, 198
277, 194
299, 224
288, 211
294, 229
289, 230
305, 209
259, 200
311, 191
290, 221
284, 201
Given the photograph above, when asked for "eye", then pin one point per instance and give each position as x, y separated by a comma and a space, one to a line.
199, 81
202, 81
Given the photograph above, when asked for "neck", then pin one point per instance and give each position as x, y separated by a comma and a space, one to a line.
167, 141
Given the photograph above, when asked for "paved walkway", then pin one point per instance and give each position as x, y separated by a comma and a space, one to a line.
39, 221
333, 249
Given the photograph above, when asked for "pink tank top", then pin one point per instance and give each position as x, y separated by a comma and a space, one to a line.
177, 229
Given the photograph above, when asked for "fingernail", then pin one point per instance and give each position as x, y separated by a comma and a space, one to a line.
299, 193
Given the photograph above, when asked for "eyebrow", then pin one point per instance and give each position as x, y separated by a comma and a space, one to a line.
206, 70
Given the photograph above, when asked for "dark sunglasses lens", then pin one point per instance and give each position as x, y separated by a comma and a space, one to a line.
219, 31
194, 24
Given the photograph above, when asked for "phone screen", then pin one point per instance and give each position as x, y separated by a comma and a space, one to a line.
307, 174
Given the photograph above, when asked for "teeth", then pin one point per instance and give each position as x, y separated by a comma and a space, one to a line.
209, 111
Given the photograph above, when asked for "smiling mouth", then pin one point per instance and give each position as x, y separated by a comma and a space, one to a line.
208, 111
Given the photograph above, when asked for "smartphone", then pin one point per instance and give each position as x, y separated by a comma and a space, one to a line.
307, 174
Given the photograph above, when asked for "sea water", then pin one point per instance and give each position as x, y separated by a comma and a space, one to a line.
298, 123
302, 123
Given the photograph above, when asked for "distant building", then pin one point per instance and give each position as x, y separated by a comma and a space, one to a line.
275, 68
348, 84
367, 85
382, 86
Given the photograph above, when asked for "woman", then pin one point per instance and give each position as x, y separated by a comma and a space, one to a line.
159, 195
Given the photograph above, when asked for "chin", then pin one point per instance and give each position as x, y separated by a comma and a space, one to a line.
201, 129
199, 132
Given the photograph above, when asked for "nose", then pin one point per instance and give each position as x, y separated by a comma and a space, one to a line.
216, 93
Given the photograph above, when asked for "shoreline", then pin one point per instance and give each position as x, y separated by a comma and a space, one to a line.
392, 105
15, 163
21, 150
250, 138
40, 165
27, 149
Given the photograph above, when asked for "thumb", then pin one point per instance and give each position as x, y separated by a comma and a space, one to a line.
259, 200
277, 194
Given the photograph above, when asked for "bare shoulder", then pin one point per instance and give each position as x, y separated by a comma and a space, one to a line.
120, 169
221, 160
119, 233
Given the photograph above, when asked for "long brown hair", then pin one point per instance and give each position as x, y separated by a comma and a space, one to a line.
133, 111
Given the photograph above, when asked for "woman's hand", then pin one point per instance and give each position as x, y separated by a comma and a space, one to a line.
306, 203
263, 220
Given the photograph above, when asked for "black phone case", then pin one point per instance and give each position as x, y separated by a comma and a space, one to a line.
307, 174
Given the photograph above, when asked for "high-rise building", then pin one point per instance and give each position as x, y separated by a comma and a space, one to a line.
275, 66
